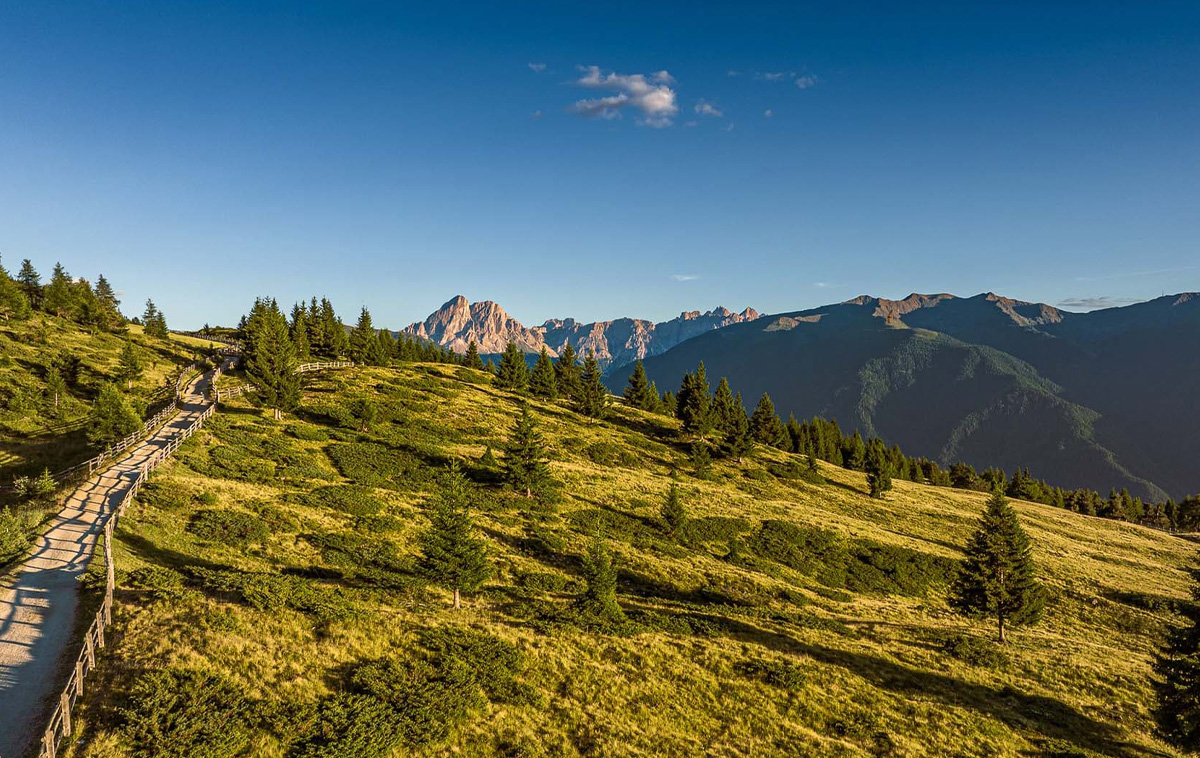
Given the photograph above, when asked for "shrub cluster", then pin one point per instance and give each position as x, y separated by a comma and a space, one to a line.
181, 713
229, 527
272, 592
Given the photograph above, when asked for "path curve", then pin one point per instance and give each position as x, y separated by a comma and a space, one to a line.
39, 601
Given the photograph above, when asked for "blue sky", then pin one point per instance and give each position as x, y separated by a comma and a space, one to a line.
791, 154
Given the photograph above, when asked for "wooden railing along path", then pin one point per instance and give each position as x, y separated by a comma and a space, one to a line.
303, 368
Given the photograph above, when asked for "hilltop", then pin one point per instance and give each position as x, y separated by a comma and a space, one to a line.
269, 599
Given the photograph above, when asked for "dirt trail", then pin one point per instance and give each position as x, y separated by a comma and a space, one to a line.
39, 601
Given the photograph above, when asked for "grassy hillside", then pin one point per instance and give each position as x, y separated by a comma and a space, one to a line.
269, 603
33, 433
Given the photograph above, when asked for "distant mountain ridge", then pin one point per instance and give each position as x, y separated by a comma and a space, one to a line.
616, 343
1099, 399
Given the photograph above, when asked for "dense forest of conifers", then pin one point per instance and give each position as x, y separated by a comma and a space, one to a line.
716, 422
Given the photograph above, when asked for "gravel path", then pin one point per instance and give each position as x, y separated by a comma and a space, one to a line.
39, 600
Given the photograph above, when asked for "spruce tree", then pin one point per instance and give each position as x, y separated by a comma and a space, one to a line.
472, 359
107, 299
453, 556
765, 426
724, 407
701, 459
13, 303
58, 296
592, 398
271, 360
854, 452
673, 513
566, 372
154, 323
598, 601
56, 386
513, 372
997, 577
129, 365
298, 330
542, 382
1177, 681
692, 404
31, 283
364, 342
387, 347
525, 456
878, 468
737, 441
112, 418
638, 394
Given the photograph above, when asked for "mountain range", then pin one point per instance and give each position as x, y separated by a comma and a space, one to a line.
1109, 398
616, 343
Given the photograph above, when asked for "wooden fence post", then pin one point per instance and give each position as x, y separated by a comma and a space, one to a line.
64, 702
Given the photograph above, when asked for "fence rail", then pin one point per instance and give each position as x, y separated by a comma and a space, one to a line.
303, 368
210, 337
59, 727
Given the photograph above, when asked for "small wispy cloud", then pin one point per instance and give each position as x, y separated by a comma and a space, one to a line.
705, 108
652, 96
729, 127
684, 277
768, 113
1096, 303
537, 68
732, 72
807, 81
773, 76
825, 285
536, 115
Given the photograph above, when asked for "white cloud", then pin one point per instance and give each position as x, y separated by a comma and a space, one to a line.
685, 277
825, 285
655, 101
768, 113
807, 81
705, 108
731, 72
773, 76
537, 68
729, 127
1096, 303
536, 115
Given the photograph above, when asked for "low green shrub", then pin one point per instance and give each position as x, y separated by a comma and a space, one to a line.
544, 581
974, 651
273, 592
229, 527
610, 454
14, 534
783, 674
178, 713
162, 583
722, 529
352, 499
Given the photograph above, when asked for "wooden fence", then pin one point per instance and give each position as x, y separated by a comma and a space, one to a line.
59, 727
303, 368
210, 337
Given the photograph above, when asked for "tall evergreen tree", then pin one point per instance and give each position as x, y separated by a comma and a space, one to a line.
129, 365
638, 394
692, 404
110, 306
878, 468
525, 456
154, 322
566, 372
854, 452
112, 418
724, 409
298, 330
13, 303
673, 513
453, 555
598, 601
59, 296
513, 373
364, 342
765, 426
592, 398
31, 283
387, 347
271, 360
997, 578
472, 359
542, 381
1177, 682
737, 441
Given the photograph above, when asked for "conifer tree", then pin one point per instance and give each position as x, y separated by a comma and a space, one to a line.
878, 468
542, 382
598, 601
13, 303
472, 359
566, 372
129, 365
1177, 682
854, 452
453, 555
31, 283
673, 513
737, 441
669, 404
56, 386
513, 372
387, 347
692, 404
525, 456
592, 399
997, 577
58, 297
765, 426
364, 342
154, 322
655, 399
298, 330
112, 418
110, 306
364, 411
724, 409
701, 459
271, 359
638, 394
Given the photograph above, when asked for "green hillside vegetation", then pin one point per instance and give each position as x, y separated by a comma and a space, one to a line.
274, 599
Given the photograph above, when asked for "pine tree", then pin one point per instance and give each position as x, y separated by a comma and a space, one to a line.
724, 407
56, 386
997, 577
1177, 683
13, 303
638, 394
453, 556
655, 399
737, 441
154, 322
513, 373
112, 418
854, 452
110, 306
566, 372
472, 359
364, 342
271, 359
525, 456
58, 297
542, 382
669, 404
765, 426
673, 513
129, 365
387, 347
878, 468
592, 398
692, 404
31, 283
598, 601
298, 330
701, 459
